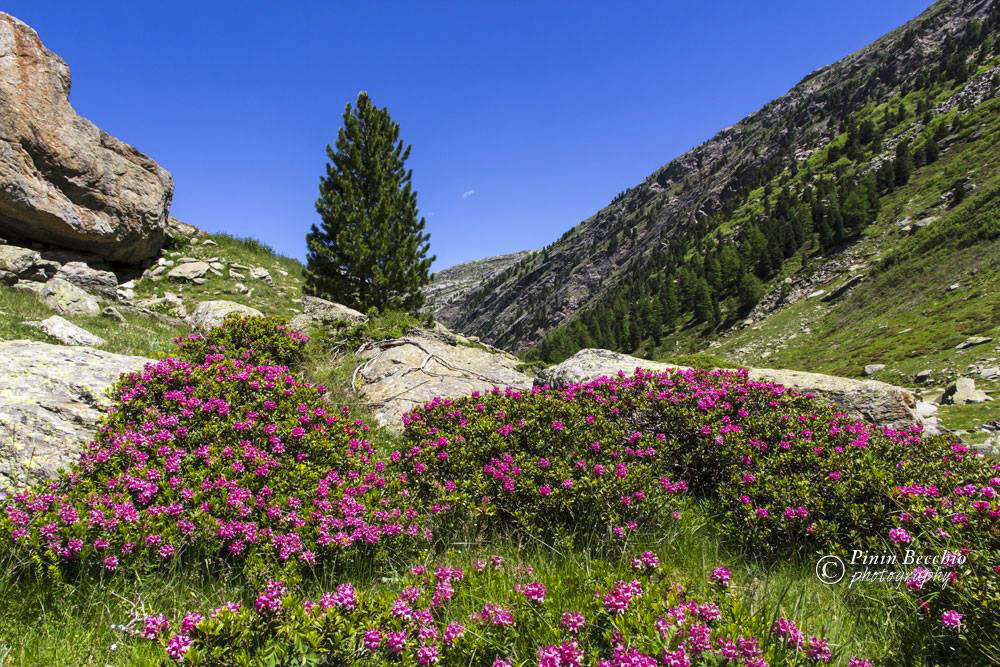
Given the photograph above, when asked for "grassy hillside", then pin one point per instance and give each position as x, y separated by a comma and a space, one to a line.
145, 334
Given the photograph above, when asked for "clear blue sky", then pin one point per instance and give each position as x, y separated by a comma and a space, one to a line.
525, 117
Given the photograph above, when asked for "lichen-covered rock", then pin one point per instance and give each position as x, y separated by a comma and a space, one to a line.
210, 314
62, 180
66, 332
192, 270
876, 401
51, 398
67, 299
320, 312
15, 262
405, 372
96, 280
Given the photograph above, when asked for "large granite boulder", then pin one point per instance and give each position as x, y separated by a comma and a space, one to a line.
62, 180
210, 314
401, 373
51, 398
869, 399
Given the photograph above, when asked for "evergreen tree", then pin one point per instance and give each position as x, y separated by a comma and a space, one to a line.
370, 249
903, 162
702, 301
751, 289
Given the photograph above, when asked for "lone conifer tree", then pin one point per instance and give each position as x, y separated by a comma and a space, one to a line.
370, 249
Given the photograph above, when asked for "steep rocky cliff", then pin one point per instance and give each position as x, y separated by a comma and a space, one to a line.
448, 288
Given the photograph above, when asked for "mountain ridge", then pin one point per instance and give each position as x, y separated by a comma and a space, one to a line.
550, 288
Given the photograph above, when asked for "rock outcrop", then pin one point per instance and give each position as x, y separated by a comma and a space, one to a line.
62, 180
401, 373
51, 399
876, 401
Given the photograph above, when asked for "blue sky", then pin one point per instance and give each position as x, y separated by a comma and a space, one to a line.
525, 117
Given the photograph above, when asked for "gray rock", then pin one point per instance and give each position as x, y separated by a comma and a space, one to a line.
189, 271
112, 313
51, 398
924, 375
90, 279
974, 340
402, 373
963, 391
872, 369
261, 274
868, 399
67, 299
210, 314
320, 312
64, 181
31, 286
66, 332
989, 372
840, 291
15, 261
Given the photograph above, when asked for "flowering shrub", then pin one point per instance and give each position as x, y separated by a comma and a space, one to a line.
224, 460
539, 460
482, 615
788, 472
265, 341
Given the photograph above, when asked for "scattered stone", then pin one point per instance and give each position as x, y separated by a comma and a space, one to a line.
112, 313
840, 291
924, 375
817, 293
177, 228
66, 332
34, 287
236, 275
15, 261
261, 274
974, 340
189, 271
953, 287
210, 314
65, 182
51, 399
320, 312
209, 242
95, 281
963, 391
67, 299
989, 372
872, 369
240, 288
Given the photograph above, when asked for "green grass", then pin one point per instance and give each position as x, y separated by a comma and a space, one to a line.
79, 621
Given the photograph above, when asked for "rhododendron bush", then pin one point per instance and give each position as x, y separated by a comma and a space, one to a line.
221, 459
785, 472
495, 613
225, 455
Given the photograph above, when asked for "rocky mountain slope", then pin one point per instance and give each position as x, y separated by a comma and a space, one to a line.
448, 288
683, 201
